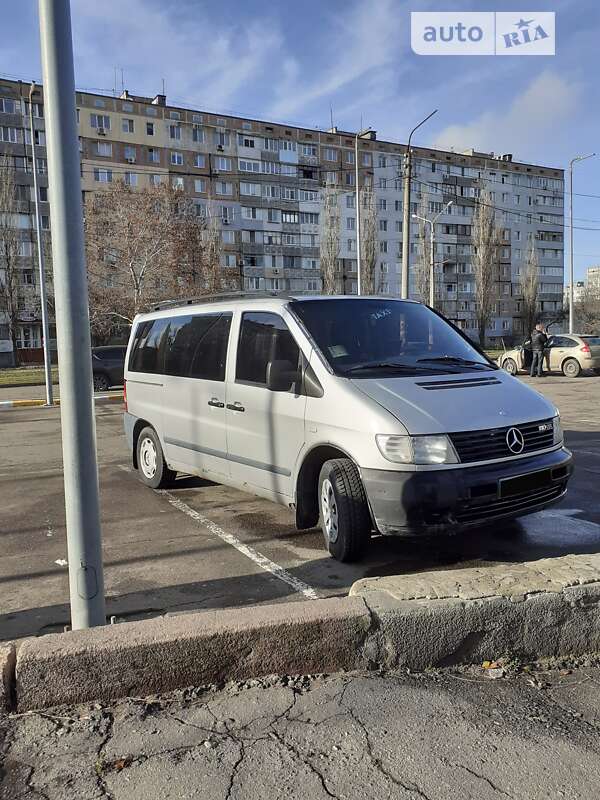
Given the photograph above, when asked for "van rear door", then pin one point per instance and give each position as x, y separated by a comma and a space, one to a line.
194, 398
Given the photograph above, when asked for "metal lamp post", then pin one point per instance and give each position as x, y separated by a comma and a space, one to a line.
571, 267
431, 223
406, 208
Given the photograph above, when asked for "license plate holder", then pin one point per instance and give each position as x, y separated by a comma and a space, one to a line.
522, 484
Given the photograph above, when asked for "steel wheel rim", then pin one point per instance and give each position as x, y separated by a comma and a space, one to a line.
571, 369
329, 510
99, 383
148, 457
510, 367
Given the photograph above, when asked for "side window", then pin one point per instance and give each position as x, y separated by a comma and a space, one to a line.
568, 342
148, 352
197, 346
264, 337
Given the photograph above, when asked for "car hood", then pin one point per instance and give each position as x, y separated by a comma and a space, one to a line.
447, 403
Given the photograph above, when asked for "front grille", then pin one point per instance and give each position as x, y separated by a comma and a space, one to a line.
490, 444
517, 504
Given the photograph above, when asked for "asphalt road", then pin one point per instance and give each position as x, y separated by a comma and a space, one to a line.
427, 737
204, 546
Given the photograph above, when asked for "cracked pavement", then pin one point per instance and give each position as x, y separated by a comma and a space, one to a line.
437, 736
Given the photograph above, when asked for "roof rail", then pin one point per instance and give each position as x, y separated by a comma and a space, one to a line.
217, 298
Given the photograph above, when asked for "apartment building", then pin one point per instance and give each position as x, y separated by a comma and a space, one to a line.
265, 183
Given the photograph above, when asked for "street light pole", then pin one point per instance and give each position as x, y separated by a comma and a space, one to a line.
431, 223
357, 203
571, 267
41, 265
406, 208
86, 582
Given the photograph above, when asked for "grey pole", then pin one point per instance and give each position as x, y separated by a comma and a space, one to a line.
86, 581
406, 209
357, 201
571, 266
431, 268
42, 267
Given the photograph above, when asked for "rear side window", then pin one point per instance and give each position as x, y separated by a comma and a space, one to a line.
264, 337
564, 341
148, 351
197, 346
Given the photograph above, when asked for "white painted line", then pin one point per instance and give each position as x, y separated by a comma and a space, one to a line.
261, 561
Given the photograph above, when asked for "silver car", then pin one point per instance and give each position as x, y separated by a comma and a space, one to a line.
361, 414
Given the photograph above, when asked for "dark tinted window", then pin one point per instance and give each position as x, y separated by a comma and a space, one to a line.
593, 341
564, 341
148, 351
264, 337
111, 353
197, 346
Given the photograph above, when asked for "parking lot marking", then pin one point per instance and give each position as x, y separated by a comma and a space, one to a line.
261, 561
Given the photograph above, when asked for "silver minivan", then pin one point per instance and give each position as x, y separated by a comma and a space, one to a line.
362, 414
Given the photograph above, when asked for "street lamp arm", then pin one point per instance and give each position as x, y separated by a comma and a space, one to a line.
423, 121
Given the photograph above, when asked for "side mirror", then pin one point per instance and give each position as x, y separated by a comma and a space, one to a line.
281, 375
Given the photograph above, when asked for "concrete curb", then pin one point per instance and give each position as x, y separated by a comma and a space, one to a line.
7, 405
140, 658
7, 674
540, 609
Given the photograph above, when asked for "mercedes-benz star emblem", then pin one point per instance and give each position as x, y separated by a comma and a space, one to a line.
515, 440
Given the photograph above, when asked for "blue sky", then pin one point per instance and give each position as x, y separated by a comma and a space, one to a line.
293, 61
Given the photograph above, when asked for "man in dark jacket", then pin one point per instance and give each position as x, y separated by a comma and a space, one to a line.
538, 344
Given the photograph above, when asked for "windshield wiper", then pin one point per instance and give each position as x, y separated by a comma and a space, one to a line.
456, 360
386, 365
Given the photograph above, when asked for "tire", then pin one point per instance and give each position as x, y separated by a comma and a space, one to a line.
152, 468
571, 368
101, 382
510, 366
343, 511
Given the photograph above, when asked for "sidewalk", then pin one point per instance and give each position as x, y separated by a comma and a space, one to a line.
442, 736
26, 396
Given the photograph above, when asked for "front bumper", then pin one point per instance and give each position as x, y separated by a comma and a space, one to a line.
435, 501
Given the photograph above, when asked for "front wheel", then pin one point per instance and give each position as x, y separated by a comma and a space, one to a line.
101, 383
510, 366
571, 368
152, 468
343, 511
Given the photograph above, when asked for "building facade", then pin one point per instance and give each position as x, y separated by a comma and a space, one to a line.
265, 182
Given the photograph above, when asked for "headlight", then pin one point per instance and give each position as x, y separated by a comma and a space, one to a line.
557, 430
417, 449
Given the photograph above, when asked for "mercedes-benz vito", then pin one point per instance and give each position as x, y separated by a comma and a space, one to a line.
363, 414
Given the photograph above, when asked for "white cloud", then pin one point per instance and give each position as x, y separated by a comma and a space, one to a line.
546, 108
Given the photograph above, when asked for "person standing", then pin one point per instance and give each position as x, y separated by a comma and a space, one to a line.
538, 345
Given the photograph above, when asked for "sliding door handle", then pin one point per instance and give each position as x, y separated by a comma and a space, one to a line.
235, 407
216, 403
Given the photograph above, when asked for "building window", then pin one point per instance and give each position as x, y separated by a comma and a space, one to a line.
131, 179
382, 161
250, 188
199, 185
228, 237
103, 175
291, 217
25, 249
249, 166
199, 160
382, 204
151, 111
309, 150
8, 106
197, 134
329, 154
175, 131
350, 224
366, 159
223, 188
153, 155
129, 153
155, 180
383, 225
177, 182
8, 134
150, 129
222, 139
223, 164
176, 158
287, 144
127, 125
100, 121
46, 222
174, 115
309, 218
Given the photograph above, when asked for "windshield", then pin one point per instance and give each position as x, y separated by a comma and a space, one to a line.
365, 336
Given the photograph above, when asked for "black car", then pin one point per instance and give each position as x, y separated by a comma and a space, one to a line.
108, 364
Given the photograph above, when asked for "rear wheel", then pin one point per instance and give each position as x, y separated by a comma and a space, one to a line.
571, 368
152, 468
343, 510
101, 382
510, 365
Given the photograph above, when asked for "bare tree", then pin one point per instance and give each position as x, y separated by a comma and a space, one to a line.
587, 310
143, 246
12, 291
369, 240
485, 238
423, 262
330, 241
530, 282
